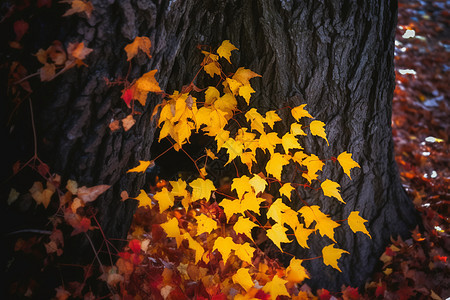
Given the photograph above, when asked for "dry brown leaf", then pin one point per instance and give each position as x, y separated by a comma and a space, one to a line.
128, 122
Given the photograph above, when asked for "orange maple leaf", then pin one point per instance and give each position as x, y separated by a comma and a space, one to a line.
139, 43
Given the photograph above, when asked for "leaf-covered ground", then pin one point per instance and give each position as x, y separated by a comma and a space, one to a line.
417, 268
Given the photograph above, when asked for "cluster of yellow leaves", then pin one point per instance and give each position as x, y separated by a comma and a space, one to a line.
180, 114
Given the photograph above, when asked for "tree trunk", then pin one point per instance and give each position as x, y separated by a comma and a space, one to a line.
336, 56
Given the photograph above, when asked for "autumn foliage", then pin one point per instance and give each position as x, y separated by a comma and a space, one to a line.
220, 242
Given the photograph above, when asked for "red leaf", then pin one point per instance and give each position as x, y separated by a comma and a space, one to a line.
324, 294
124, 255
262, 295
405, 293
20, 28
135, 245
440, 258
83, 225
389, 251
157, 232
42, 3
136, 259
220, 296
380, 290
351, 293
127, 96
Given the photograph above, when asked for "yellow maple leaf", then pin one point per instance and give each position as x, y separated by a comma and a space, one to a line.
290, 217
276, 287
225, 50
209, 57
286, 190
244, 75
271, 117
201, 189
268, 142
178, 187
302, 235
258, 183
295, 272
299, 156
241, 185
247, 138
243, 278
166, 130
248, 158
296, 129
234, 149
211, 95
205, 224
171, 228
226, 103
222, 136
231, 207
246, 92
143, 165
278, 235
196, 246
310, 213
245, 252
202, 117
356, 223
300, 112
165, 199
275, 165
224, 246
210, 154
324, 224
276, 210
212, 68
218, 120
317, 128
181, 133
139, 43
251, 202
144, 199
256, 120
180, 107
148, 83
167, 111
331, 189
231, 86
347, 163
331, 255
289, 141
244, 226
313, 164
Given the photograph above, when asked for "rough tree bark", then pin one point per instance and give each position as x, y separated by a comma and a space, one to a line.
336, 56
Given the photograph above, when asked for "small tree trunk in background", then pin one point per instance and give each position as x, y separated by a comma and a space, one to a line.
335, 56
